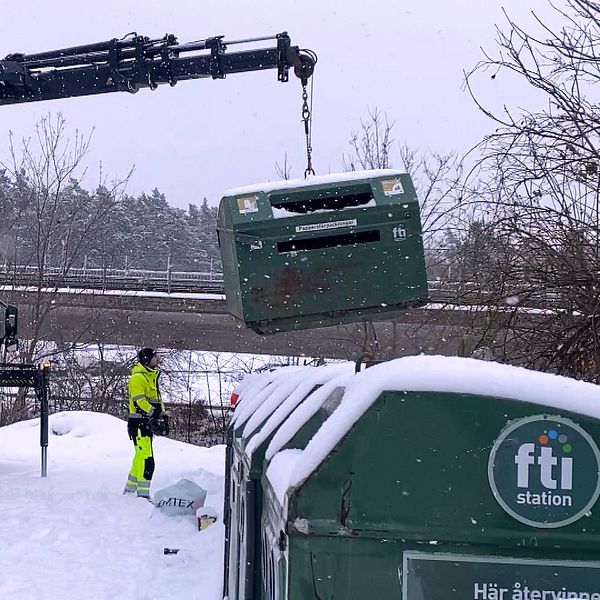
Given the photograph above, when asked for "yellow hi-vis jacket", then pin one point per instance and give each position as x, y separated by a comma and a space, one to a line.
144, 395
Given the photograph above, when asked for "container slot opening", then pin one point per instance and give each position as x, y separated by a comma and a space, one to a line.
322, 202
329, 241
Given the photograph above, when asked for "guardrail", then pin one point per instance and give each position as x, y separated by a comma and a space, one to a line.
449, 291
114, 279
124, 279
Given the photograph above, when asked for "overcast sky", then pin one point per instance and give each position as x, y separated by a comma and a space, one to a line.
200, 138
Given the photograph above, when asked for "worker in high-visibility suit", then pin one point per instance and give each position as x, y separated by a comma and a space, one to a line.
146, 417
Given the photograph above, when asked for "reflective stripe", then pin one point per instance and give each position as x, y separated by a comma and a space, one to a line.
143, 489
132, 484
137, 416
154, 399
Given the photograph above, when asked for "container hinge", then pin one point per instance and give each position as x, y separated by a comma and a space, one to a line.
282, 541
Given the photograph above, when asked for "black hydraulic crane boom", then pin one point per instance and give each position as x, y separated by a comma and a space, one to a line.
135, 62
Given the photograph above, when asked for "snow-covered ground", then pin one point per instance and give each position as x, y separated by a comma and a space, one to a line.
73, 535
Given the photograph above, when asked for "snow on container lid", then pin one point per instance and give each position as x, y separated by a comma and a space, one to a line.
309, 182
302, 387
278, 392
439, 374
254, 389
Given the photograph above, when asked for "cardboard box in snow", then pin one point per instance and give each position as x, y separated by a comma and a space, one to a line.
181, 498
206, 516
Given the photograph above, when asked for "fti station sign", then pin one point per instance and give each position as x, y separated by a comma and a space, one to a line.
544, 471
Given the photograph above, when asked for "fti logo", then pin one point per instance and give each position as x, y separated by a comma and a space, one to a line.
399, 232
555, 471
544, 471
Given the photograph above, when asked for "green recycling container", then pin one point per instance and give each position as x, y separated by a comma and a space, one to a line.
436, 478
324, 251
248, 439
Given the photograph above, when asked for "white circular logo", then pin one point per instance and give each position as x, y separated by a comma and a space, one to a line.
544, 471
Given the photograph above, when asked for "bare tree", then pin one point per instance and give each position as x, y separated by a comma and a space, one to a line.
371, 144
55, 219
437, 177
540, 194
90, 377
438, 181
283, 170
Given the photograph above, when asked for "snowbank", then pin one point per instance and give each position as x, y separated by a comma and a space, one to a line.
74, 535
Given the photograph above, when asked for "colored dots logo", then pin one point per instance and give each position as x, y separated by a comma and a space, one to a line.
553, 435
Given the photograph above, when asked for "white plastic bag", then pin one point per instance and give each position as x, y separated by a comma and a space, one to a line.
181, 498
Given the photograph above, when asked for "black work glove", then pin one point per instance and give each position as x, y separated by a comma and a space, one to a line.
159, 424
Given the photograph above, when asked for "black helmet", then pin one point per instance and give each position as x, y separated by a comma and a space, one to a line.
145, 356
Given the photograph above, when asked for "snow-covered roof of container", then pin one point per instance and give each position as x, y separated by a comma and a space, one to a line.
277, 394
315, 180
305, 411
254, 389
276, 411
434, 374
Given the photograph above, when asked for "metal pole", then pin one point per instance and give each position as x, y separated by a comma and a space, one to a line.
169, 271
43, 395
256, 39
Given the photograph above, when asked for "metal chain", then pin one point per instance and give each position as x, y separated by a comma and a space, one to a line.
306, 118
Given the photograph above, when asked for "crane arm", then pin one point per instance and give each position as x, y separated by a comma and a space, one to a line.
136, 62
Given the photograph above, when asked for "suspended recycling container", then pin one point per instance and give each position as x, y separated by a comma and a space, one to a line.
323, 251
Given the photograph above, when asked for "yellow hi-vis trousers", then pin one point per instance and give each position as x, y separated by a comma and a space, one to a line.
142, 467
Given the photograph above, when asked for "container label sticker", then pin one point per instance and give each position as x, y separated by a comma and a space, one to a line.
399, 233
328, 225
392, 187
543, 471
444, 576
248, 204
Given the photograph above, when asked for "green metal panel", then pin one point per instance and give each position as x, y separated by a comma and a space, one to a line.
327, 567
412, 475
322, 254
244, 502
243, 511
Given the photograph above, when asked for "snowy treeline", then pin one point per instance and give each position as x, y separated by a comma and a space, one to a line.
54, 216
